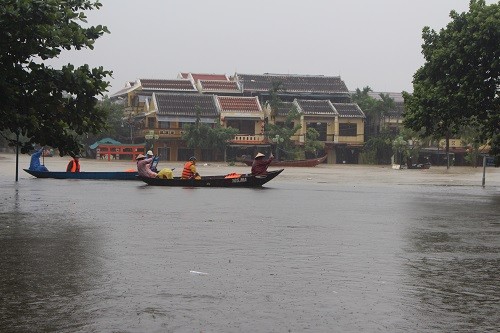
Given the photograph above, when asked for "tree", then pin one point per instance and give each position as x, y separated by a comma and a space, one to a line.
41, 104
200, 135
460, 77
219, 138
196, 135
374, 109
275, 101
284, 133
312, 144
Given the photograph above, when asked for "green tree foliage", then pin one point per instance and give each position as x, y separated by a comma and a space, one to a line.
460, 77
200, 135
312, 144
285, 132
219, 138
378, 149
115, 126
374, 109
275, 101
196, 135
44, 105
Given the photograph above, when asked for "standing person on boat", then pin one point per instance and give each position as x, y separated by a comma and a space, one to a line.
144, 166
35, 161
260, 164
189, 171
150, 154
74, 164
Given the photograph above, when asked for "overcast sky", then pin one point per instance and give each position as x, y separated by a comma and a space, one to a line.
366, 42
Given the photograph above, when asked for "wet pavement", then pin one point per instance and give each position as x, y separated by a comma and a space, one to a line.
301, 254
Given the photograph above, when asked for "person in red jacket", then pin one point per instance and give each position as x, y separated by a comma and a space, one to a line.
260, 164
74, 164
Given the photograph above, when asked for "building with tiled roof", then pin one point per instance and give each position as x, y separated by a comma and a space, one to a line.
185, 107
218, 87
163, 108
244, 114
195, 77
304, 86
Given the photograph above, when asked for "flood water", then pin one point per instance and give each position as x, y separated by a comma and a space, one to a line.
118, 256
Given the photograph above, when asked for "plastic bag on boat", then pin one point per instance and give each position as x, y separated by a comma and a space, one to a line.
166, 173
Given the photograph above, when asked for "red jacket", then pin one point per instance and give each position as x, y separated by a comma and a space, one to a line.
259, 165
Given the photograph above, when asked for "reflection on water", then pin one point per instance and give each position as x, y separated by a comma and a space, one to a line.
453, 265
120, 256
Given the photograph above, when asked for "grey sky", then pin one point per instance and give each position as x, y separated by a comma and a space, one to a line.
366, 42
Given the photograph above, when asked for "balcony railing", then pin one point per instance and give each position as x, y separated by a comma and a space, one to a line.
247, 138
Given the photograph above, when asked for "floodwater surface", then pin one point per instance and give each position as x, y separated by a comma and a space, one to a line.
121, 256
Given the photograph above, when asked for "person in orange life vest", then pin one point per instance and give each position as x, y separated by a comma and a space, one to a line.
144, 167
260, 164
189, 171
74, 164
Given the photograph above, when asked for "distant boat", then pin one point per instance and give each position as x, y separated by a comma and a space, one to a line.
96, 175
293, 163
231, 180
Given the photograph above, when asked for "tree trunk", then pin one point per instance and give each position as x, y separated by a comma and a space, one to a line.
447, 150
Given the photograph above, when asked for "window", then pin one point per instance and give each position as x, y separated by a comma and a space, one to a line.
151, 122
320, 127
243, 126
164, 124
348, 129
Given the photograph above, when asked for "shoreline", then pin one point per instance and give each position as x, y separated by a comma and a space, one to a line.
324, 173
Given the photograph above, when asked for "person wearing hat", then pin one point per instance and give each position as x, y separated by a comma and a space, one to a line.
260, 164
74, 164
144, 166
189, 171
150, 154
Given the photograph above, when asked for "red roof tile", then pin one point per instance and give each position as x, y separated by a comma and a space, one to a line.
216, 85
239, 104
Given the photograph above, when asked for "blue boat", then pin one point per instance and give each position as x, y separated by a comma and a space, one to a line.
97, 175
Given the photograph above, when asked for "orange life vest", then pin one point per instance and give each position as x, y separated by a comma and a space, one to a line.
73, 166
187, 173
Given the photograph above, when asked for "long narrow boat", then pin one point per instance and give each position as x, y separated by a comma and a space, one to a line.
233, 180
293, 163
97, 175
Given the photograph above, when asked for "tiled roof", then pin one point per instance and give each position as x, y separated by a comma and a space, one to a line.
397, 112
218, 86
312, 107
215, 77
167, 85
348, 110
186, 105
397, 97
239, 104
202, 76
316, 84
129, 86
284, 108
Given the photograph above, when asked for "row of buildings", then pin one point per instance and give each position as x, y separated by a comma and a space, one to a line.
157, 111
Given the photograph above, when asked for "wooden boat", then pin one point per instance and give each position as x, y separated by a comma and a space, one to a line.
296, 163
97, 175
243, 180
